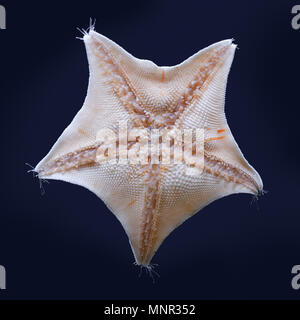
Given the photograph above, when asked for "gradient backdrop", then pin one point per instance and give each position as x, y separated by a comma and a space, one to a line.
66, 244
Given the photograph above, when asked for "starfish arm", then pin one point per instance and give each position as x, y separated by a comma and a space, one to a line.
207, 90
206, 110
102, 106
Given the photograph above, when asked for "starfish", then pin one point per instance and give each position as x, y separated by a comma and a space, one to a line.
151, 200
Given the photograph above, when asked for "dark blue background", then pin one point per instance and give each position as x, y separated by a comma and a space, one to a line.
66, 244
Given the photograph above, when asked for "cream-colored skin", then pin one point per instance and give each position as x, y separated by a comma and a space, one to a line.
152, 200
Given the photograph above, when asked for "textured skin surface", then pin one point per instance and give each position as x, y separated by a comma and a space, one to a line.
151, 200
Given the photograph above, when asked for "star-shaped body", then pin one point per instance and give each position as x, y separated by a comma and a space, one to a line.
151, 200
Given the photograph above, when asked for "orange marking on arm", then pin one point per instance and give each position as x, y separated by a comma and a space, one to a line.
221, 130
196, 96
162, 75
131, 203
217, 138
82, 131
